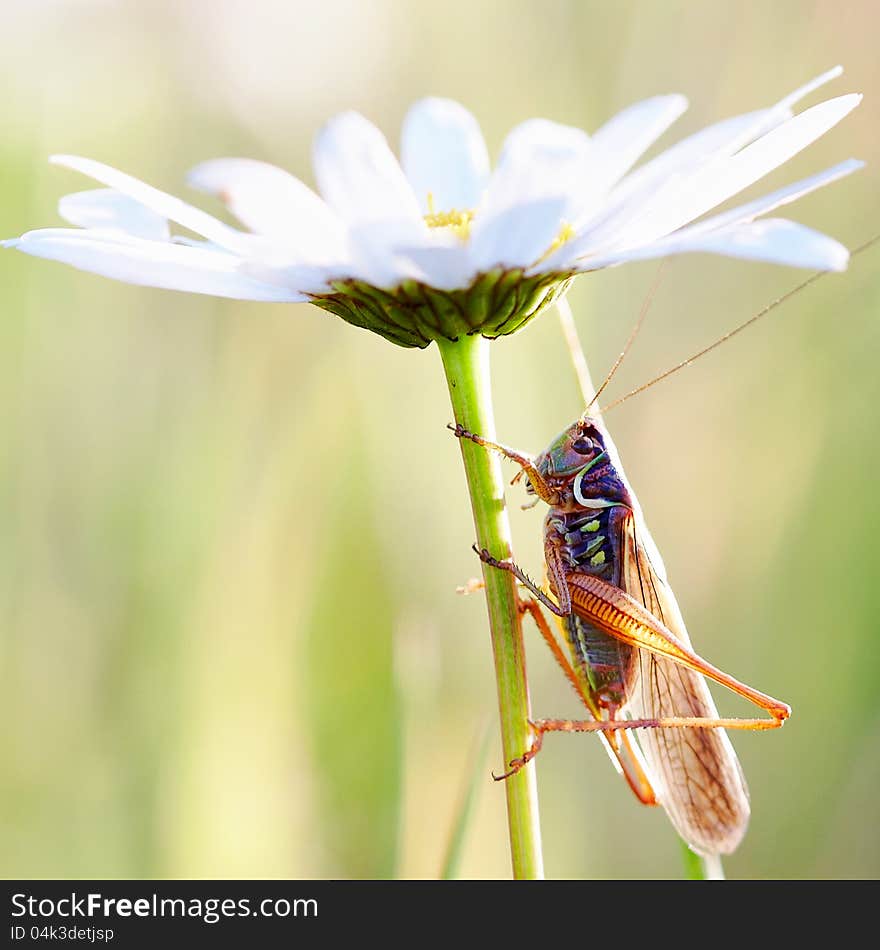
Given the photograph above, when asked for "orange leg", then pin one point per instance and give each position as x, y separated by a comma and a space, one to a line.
672, 722
616, 613
533, 607
622, 752
542, 726
625, 619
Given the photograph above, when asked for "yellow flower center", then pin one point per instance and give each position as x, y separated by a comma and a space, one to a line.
566, 233
459, 222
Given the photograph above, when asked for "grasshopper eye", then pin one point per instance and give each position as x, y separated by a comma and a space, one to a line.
583, 446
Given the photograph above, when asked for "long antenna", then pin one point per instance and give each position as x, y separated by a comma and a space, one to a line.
763, 312
646, 306
576, 350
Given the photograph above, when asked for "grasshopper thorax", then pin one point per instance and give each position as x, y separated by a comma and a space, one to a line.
580, 465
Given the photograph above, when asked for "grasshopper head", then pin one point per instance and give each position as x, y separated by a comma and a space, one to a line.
581, 443
580, 465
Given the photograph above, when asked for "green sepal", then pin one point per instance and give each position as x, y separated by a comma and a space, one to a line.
497, 303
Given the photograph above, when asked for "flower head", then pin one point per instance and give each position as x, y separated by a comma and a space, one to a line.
438, 244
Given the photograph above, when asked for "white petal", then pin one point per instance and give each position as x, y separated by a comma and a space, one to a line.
306, 279
444, 267
159, 202
443, 154
775, 240
543, 159
442, 262
571, 254
198, 242
723, 138
765, 120
539, 159
629, 197
359, 176
538, 181
150, 263
544, 140
776, 199
619, 144
684, 200
518, 236
270, 201
794, 97
376, 255
109, 210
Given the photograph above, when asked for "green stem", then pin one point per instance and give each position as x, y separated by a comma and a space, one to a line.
466, 362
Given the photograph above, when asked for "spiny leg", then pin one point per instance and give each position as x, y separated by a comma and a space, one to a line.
561, 610
626, 758
534, 608
516, 764
638, 781
670, 648
622, 753
625, 619
540, 727
673, 722
630, 765
622, 617
526, 462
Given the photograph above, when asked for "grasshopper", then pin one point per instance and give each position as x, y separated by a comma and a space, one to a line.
631, 661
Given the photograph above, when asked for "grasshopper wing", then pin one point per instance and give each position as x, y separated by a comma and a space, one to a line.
695, 773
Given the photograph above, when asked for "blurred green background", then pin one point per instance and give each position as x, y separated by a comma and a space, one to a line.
230, 534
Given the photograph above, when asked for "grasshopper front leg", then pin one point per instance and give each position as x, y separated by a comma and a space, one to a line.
526, 463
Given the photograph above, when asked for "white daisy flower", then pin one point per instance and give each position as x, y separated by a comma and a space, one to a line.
438, 244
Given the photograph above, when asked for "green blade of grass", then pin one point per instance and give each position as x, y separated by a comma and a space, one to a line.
474, 777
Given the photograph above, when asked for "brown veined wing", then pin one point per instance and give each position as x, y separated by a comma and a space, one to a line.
695, 772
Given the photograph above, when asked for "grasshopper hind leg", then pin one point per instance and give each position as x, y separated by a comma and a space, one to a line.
514, 765
626, 758
622, 751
